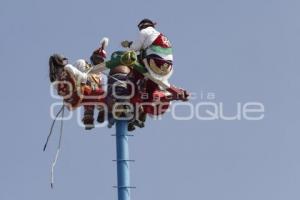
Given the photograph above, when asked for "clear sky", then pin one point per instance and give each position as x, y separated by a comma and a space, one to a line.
240, 50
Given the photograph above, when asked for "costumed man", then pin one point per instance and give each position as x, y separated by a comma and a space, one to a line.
155, 51
76, 86
117, 84
92, 89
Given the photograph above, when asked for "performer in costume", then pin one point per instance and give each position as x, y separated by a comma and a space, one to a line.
155, 50
77, 87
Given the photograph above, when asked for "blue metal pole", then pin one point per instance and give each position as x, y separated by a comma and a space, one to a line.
122, 160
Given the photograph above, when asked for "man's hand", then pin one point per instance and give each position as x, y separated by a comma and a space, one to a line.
126, 43
178, 93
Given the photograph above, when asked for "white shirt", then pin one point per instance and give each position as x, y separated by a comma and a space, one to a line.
146, 37
80, 77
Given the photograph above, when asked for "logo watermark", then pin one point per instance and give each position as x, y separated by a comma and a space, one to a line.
203, 106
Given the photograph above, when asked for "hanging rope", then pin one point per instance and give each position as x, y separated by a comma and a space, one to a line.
58, 147
52, 125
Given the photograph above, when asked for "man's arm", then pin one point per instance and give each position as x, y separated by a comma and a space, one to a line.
80, 76
138, 44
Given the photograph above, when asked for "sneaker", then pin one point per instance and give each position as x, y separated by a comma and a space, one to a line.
130, 127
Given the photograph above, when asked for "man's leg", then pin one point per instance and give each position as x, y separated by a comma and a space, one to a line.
88, 117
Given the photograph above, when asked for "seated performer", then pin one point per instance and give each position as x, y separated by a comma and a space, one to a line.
155, 50
77, 87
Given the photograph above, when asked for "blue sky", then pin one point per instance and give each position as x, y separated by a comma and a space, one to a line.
240, 50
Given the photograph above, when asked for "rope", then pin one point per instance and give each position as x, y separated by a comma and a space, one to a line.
52, 125
58, 149
110, 76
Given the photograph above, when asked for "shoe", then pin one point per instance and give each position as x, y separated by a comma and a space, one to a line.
88, 121
101, 116
130, 127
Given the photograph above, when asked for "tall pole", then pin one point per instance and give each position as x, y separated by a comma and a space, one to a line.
122, 160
